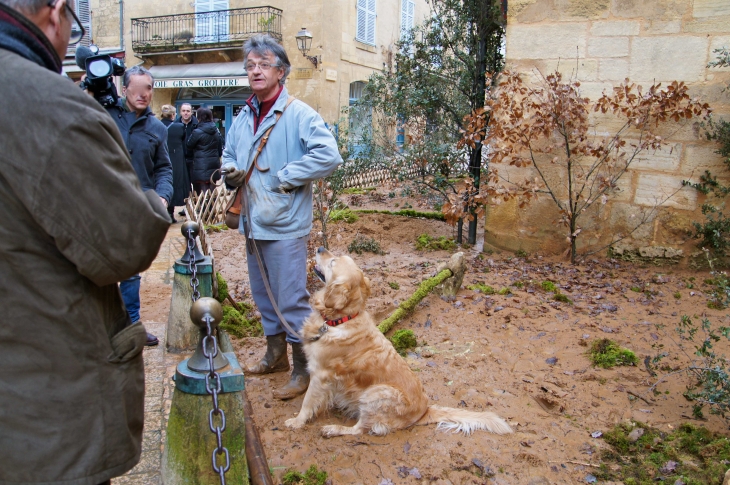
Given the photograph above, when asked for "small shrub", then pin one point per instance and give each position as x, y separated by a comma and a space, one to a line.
216, 227
636, 289
358, 190
312, 476
343, 215
521, 253
562, 298
363, 244
606, 353
394, 285
403, 340
549, 286
504, 291
677, 295
426, 242
486, 289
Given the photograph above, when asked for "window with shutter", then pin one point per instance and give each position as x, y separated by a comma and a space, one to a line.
406, 16
366, 21
83, 11
211, 21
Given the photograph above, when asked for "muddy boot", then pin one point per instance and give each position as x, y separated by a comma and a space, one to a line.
299, 377
275, 359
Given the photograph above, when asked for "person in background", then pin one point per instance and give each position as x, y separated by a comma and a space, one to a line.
190, 122
71, 215
146, 139
300, 150
206, 145
168, 114
180, 176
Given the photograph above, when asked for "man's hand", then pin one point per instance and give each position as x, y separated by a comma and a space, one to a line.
164, 202
235, 178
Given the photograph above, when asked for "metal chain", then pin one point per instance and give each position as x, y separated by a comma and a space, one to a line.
212, 379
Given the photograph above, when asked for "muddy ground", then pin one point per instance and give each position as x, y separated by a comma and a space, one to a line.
521, 355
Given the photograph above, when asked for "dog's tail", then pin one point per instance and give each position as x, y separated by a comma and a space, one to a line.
461, 421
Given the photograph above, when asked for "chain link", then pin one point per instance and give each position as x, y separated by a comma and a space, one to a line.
212, 380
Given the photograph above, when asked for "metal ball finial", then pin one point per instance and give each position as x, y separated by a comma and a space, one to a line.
190, 226
203, 307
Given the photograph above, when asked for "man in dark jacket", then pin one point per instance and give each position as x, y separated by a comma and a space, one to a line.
206, 145
190, 122
146, 139
71, 214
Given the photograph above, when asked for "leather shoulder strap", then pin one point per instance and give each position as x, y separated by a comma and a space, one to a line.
264, 140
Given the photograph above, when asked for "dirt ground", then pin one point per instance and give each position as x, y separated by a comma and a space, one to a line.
521, 355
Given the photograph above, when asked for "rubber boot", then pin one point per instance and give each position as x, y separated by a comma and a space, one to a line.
275, 359
299, 381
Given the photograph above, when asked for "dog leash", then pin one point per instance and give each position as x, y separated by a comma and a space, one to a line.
254, 247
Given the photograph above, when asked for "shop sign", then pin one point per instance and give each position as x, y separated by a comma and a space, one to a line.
228, 82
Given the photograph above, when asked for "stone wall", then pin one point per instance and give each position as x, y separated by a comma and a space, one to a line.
600, 43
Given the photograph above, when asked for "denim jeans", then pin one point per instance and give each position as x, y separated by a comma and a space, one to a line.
130, 295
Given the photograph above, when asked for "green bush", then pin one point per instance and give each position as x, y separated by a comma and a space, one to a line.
426, 242
606, 353
394, 285
363, 244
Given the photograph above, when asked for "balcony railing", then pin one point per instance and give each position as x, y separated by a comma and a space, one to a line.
203, 30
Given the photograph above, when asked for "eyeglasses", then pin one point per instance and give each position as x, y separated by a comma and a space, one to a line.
264, 66
77, 31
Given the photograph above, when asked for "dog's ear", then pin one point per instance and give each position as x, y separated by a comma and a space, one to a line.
336, 295
365, 287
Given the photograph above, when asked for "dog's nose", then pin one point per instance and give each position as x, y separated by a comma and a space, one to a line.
320, 250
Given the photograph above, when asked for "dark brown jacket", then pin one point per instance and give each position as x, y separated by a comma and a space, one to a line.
73, 222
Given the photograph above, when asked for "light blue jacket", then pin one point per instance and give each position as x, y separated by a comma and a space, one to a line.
300, 150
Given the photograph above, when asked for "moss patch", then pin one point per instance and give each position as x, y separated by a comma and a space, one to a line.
606, 353
426, 242
312, 476
222, 287
483, 288
406, 213
403, 340
407, 306
240, 324
689, 455
343, 215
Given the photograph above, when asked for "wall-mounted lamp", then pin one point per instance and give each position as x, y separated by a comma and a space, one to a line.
304, 43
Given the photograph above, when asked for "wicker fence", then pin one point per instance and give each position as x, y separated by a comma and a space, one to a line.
209, 207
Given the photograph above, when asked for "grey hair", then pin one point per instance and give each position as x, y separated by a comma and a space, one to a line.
135, 71
30, 7
263, 44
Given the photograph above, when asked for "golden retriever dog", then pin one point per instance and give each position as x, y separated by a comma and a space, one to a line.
353, 366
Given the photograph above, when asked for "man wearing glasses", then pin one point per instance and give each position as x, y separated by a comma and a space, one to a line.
300, 150
71, 211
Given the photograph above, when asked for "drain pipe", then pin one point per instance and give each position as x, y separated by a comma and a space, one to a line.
121, 24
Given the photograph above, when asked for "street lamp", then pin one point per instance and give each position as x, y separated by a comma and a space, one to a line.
304, 43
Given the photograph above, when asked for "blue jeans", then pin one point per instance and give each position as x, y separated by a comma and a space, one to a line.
130, 295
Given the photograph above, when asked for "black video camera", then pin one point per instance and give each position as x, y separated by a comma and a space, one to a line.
100, 69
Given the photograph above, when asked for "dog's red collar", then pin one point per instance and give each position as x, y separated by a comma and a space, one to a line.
339, 321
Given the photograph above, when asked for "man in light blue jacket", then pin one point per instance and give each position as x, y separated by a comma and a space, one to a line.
300, 150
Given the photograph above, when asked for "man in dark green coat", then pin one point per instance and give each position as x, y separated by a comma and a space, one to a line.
71, 212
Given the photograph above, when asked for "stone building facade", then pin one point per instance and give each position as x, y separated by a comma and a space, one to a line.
600, 43
351, 40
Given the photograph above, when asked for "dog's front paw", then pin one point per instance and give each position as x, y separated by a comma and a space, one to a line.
294, 423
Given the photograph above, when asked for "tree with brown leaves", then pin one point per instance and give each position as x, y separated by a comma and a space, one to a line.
549, 131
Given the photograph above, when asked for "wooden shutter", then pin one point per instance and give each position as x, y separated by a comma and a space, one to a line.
366, 21
406, 16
